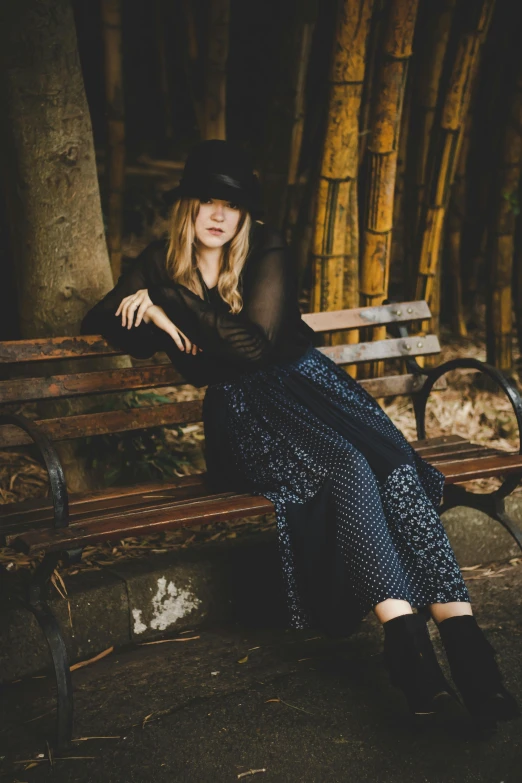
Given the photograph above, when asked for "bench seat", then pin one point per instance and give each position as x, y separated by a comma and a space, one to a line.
129, 511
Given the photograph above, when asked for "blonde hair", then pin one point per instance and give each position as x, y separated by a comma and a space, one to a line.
181, 254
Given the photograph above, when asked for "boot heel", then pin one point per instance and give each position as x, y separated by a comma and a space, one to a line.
475, 672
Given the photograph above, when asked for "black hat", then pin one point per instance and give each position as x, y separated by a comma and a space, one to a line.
219, 169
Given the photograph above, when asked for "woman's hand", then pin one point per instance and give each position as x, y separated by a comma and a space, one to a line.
141, 306
138, 304
158, 316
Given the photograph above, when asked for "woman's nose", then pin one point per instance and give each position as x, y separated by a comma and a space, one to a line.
218, 213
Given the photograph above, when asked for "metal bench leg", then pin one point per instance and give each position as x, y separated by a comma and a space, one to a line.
37, 604
493, 504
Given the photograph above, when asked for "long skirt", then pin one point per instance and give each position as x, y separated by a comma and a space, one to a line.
355, 505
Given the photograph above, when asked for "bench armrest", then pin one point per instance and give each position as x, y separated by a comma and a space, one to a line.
52, 464
474, 364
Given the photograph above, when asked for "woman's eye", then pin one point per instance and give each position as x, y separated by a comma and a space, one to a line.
233, 206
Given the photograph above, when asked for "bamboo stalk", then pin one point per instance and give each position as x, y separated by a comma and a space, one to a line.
493, 96
189, 45
382, 152
160, 24
401, 228
351, 271
446, 146
369, 83
283, 186
434, 32
501, 245
216, 71
339, 161
111, 26
293, 188
456, 217
517, 277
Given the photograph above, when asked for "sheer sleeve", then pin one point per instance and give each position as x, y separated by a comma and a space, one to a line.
140, 341
248, 337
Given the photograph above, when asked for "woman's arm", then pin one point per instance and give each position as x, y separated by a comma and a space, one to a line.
141, 341
249, 336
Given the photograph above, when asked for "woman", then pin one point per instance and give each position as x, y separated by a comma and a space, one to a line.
355, 505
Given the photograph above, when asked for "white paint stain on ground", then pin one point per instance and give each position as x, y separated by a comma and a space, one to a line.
171, 604
168, 605
139, 627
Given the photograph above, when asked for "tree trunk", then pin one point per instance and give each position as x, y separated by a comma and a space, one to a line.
339, 164
115, 161
55, 219
216, 72
382, 152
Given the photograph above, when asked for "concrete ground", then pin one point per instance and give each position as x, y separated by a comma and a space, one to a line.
262, 704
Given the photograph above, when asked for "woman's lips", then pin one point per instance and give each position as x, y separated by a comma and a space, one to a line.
216, 231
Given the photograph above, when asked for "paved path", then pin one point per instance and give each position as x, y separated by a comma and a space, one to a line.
302, 708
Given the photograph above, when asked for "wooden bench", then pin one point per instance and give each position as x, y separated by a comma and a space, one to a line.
61, 526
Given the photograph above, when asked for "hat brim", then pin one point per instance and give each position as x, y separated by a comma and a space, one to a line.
216, 190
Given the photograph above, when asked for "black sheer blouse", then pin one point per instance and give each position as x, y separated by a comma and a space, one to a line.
268, 329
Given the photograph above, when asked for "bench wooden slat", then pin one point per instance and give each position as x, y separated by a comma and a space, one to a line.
452, 449
25, 508
199, 512
452, 456
89, 424
45, 349
382, 349
83, 516
152, 376
398, 385
482, 467
79, 384
360, 317
42, 516
428, 443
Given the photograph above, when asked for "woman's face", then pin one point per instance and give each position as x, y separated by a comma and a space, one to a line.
217, 222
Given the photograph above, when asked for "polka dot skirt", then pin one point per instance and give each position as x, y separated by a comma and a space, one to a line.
355, 505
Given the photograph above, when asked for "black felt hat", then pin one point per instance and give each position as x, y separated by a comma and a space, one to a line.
219, 169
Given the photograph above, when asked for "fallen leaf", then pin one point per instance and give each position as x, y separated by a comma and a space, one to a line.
243, 660
145, 719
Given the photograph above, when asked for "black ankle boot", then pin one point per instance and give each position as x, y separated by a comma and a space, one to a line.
413, 667
474, 670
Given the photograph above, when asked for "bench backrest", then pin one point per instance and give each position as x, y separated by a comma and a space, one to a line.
77, 384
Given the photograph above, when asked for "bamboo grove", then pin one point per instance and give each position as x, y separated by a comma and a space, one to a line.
390, 152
